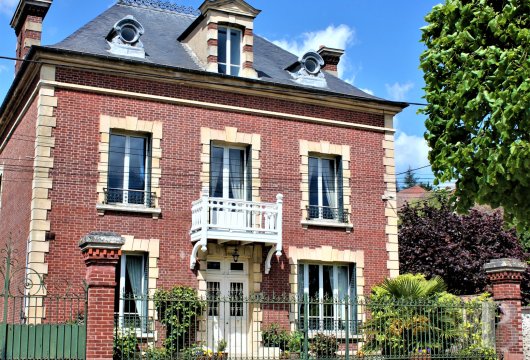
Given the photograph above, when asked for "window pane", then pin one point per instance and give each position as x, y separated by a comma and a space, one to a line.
222, 69
235, 47
329, 194
116, 168
234, 70
213, 291
313, 181
216, 172
314, 286
237, 174
236, 299
221, 46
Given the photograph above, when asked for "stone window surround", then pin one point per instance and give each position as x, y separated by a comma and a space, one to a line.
323, 255
133, 124
324, 148
231, 136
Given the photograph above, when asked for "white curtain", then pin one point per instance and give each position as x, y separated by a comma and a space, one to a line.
237, 173
216, 167
342, 282
328, 180
135, 271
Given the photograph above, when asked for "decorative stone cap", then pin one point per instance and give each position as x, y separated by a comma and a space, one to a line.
29, 7
505, 265
101, 240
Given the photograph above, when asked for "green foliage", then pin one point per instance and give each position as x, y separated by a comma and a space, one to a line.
221, 345
324, 346
476, 69
178, 309
478, 352
193, 352
125, 345
156, 353
274, 336
409, 286
410, 314
294, 343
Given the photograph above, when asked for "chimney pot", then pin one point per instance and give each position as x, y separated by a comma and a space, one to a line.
331, 58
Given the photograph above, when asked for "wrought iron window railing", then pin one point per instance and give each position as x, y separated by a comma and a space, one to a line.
129, 197
315, 212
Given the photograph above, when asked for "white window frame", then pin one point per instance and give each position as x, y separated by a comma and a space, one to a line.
320, 187
321, 292
126, 164
228, 63
226, 170
121, 285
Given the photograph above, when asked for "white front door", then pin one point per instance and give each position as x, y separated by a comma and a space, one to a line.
227, 313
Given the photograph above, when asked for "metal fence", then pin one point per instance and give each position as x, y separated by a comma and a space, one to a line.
258, 327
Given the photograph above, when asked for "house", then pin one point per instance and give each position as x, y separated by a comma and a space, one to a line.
411, 195
225, 162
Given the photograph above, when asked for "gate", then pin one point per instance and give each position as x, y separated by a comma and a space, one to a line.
33, 324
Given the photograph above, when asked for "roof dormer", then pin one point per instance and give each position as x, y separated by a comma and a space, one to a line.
222, 37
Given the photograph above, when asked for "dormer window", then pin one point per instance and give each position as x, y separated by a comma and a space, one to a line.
124, 38
308, 70
229, 50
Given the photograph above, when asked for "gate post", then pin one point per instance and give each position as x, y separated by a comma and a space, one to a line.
101, 252
505, 276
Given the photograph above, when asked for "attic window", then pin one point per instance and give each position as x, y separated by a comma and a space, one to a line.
308, 70
124, 38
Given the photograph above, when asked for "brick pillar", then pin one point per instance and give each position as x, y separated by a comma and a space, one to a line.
101, 251
505, 276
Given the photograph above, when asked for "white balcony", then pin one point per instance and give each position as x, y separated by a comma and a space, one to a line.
240, 221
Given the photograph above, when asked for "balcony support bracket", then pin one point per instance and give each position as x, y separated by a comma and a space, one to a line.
269, 258
193, 257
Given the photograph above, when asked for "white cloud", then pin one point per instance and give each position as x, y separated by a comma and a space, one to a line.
8, 6
3, 68
411, 151
333, 36
368, 91
398, 91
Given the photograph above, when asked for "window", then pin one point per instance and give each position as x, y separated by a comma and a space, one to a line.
229, 51
327, 287
325, 189
131, 293
230, 173
129, 168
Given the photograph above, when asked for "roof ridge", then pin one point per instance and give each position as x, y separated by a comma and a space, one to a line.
161, 5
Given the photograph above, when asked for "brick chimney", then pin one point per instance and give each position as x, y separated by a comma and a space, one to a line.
27, 23
331, 58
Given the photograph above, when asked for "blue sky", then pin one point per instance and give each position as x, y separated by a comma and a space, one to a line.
381, 39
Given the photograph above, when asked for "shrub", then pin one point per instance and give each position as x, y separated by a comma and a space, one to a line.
178, 309
324, 346
294, 343
274, 336
154, 353
124, 345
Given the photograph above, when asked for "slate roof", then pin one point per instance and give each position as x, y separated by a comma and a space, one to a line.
163, 27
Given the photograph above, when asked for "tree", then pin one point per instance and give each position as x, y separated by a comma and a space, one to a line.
410, 180
476, 70
436, 241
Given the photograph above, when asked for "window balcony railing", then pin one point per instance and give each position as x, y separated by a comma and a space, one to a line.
326, 213
115, 196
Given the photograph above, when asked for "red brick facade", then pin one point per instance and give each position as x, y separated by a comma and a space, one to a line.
75, 175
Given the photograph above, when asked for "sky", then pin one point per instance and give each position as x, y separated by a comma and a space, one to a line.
381, 39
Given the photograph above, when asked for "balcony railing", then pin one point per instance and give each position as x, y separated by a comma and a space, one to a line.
327, 213
130, 197
236, 218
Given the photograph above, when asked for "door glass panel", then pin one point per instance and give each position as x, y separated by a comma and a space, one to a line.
236, 299
213, 292
327, 300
